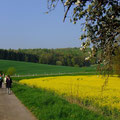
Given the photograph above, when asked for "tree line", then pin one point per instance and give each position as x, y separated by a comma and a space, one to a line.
64, 56
17, 56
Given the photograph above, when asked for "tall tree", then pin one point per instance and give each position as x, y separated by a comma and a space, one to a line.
101, 26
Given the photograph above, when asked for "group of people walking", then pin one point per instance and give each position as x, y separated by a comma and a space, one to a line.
7, 81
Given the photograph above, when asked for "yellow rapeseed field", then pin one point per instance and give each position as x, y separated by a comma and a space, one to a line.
86, 88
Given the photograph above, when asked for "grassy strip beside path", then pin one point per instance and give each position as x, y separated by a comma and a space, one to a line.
49, 106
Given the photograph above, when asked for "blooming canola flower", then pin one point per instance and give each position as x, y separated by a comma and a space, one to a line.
82, 87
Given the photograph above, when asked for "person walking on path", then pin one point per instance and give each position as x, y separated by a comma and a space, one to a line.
4, 80
8, 84
1, 80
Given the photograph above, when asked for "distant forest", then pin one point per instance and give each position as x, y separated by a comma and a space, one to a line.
63, 56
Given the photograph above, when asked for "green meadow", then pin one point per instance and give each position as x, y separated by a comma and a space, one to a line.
27, 68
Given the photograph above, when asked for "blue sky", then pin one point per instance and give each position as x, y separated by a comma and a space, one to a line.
24, 24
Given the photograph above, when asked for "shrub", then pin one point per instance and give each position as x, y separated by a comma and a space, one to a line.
58, 63
11, 71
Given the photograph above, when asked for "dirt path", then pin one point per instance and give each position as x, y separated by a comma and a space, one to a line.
11, 108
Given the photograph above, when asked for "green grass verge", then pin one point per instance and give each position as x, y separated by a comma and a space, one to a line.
47, 105
25, 68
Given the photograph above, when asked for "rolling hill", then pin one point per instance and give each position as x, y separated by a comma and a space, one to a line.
25, 68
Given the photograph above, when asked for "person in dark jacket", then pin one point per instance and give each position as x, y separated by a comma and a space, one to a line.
1, 80
8, 84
